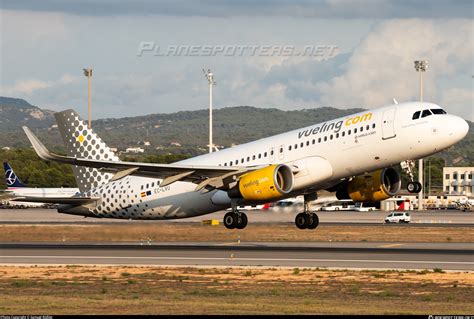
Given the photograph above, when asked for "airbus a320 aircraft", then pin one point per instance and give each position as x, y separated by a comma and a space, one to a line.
353, 156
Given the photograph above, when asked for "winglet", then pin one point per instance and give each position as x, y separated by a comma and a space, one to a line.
39, 148
43, 152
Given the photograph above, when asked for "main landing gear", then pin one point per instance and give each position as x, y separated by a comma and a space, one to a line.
412, 186
235, 219
307, 219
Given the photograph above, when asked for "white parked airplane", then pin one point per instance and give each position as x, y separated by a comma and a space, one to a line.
16, 188
352, 155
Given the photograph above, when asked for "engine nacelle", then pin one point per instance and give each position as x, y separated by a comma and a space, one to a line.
264, 184
372, 187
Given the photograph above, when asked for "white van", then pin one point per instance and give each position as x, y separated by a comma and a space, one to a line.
398, 217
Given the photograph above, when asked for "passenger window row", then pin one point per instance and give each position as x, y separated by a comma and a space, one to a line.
242, 160
302, 144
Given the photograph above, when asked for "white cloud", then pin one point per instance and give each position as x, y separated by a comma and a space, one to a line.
31, 86
381, 67
376, 64
66, 79
24, 87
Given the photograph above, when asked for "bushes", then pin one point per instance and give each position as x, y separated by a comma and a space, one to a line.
36, 172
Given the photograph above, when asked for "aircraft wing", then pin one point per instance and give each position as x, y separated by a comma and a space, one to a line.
215, 176
57, 200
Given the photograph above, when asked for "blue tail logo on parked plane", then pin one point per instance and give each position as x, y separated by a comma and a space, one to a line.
10, 177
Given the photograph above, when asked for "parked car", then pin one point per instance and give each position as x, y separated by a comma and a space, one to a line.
398, 217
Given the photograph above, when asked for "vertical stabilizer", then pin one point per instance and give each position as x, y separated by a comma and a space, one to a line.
10, 177
80, 141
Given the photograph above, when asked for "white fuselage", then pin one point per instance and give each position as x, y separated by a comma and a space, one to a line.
336, 150
38, 192
42, 192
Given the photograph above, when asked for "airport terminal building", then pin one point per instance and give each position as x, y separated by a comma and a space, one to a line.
458, 181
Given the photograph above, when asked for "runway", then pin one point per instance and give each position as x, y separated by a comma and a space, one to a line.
441, 218
446, 256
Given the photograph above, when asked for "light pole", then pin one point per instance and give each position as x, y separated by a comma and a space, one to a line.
210, 79
420, 67
428, 169
429, 178
88, 74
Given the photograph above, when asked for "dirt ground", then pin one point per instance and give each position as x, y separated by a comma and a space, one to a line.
241, 290
173, 232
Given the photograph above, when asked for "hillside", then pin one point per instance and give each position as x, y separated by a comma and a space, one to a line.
17, 112
232, 125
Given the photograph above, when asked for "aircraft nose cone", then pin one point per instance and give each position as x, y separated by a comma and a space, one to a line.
461, 128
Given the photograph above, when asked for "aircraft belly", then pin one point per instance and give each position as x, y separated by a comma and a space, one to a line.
126, 199
182, 205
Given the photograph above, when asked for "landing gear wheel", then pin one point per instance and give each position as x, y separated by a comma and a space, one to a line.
418, 187
241, 221
301, 221
414, 187
313, 221
230, 220
307, 219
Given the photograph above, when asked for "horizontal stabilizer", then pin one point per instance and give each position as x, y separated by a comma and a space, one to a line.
57, 200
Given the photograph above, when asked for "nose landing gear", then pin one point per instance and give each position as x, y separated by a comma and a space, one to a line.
412, 186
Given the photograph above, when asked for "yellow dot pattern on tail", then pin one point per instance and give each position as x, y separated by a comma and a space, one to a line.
82, 142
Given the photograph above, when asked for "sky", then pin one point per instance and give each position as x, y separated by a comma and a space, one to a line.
360, 53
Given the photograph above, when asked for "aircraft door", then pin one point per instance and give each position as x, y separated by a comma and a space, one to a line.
388, 124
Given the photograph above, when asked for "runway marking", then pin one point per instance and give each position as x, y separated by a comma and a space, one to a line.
390, 245
249, 259
227, 244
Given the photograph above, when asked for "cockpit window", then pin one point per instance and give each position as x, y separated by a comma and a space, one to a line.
426, 113
416, 115
438, 111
